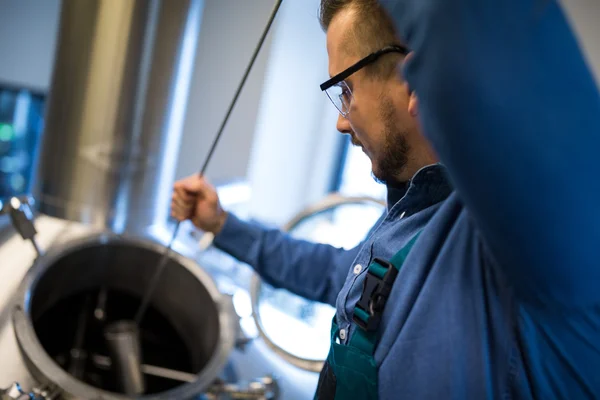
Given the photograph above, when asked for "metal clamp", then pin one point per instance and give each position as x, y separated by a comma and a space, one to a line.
15, 392
21, 216
376, 290
265, 388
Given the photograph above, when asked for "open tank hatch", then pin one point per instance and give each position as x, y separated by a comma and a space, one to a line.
59, 326
74, 291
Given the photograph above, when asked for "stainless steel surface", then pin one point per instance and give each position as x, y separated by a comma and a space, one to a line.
256, 360
114, 117
328, 203
17, 257
123, 338
203, 317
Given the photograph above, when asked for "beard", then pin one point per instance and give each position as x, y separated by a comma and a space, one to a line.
393, 157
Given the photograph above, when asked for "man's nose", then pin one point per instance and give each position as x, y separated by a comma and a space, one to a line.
343, 125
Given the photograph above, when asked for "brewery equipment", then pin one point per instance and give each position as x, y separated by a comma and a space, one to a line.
186, 337
117, 99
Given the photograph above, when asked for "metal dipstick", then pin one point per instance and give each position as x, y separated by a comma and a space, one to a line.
165, 258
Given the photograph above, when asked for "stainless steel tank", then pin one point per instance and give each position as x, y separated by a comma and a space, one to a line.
113, 121
115, 110
71, 295
76, 289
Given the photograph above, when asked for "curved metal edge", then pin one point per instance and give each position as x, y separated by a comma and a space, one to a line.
303, 363
46, 371
329, 202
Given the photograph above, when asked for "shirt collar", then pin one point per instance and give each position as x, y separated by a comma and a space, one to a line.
428, 186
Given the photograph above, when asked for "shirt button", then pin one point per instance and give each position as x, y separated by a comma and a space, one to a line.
357, 269
342, 334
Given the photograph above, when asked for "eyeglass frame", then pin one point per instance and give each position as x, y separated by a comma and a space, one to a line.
360, 64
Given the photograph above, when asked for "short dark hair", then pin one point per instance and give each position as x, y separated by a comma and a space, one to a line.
374, 30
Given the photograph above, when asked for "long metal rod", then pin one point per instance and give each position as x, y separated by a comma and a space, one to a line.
165, 258
150, 291
160, 372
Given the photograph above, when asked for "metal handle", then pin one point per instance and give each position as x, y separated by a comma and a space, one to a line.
21, 216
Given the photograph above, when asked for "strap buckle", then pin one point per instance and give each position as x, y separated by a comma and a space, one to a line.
376, 290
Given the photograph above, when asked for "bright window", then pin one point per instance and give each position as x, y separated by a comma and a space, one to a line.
356, 177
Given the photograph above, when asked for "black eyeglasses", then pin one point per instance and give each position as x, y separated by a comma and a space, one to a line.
336, 88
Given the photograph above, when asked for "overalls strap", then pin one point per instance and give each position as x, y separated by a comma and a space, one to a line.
377, 287
351, 371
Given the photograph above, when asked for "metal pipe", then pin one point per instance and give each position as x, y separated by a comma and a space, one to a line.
124, 347
101, 361
78, 354
119, 90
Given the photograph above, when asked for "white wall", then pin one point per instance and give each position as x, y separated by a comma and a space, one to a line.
295, 144
229, 34
28, 31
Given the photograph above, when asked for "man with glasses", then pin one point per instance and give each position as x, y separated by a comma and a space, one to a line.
494, 292
318, 271
380, 117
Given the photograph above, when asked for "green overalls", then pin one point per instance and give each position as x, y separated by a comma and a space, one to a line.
350, 371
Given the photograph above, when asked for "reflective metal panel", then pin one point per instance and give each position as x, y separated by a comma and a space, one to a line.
115, 110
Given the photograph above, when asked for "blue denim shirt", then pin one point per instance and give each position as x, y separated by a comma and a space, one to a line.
453, 327
319, 271
512, 109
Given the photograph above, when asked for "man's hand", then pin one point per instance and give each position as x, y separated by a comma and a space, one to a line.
197, 200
